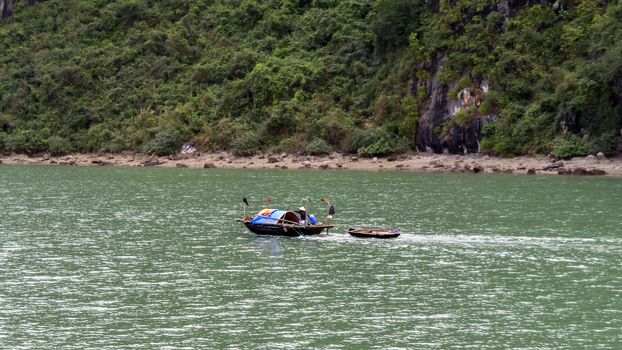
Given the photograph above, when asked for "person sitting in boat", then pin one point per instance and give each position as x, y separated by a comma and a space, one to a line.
302, 212
313, 220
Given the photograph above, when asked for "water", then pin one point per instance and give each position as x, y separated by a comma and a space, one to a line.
109, 258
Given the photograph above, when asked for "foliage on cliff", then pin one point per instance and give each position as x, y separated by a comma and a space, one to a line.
299, 74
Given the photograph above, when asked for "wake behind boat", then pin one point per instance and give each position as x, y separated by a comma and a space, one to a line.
284, 223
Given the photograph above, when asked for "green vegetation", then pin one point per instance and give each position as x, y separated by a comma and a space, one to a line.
303, 75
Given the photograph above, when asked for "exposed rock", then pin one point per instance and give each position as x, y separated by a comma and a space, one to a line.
284, 155
273, 160
601, 156
339, 165
324, 166
553, 166
209, 165
478, 169
597, 172
354, 159
391, 158
100, 162
306, 164
563, 171
284, 167
579, 171
181, 165
434, 132
153, 162
531, 171
187, 149
591, 158
229, 161
399, 166
374, 160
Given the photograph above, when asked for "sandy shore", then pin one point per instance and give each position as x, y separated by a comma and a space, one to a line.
433, 163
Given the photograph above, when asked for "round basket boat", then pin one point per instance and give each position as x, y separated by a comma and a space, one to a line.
366, 232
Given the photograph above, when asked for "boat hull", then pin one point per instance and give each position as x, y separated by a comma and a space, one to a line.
372, 233
285, 230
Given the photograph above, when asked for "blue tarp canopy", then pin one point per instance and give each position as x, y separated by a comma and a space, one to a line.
272, 216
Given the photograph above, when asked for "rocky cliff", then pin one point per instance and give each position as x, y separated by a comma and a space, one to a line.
441, 129
6, 7
450, 122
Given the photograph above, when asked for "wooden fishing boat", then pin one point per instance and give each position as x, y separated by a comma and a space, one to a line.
282, 223
366, 232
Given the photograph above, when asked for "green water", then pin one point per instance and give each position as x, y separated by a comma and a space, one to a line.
108, 258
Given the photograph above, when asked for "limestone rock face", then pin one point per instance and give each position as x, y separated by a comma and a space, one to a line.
440, 130
6, 7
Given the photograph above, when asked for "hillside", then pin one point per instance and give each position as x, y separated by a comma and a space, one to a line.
373, 77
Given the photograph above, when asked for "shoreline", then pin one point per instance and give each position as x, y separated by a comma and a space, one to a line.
424, 162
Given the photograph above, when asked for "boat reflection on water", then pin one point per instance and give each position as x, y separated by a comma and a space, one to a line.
269, 246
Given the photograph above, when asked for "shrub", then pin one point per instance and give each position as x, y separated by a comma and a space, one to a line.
25, 141
3, 137
606, 143
246, 145
504, 146
357, 139
569, 145
59, 146
379, 148
165, 142
318, 146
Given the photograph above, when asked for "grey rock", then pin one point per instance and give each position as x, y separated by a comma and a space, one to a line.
103, 162
209, 165
153, 162
181, 165
531, 171
601, 156
324, 166
553, 166
597, 172
273, 160
579, 171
